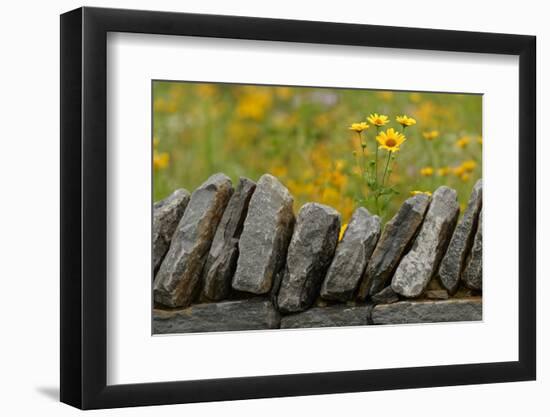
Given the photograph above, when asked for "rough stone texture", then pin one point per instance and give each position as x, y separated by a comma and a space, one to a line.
437, 294
309, 254
264, 240
222, 259
351, 257
453, 262
386, 296
473, 272
177, 282
428, 311
396, 238
333, 316
419, 265
252, 314
166, 216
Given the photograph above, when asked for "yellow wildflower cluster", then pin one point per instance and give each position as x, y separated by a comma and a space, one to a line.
294, 133
160, 159
463, 142
430, 134
254, 103
325, 182
427, 171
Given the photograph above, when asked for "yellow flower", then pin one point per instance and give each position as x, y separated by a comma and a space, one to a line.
415, 192
443, 171
340, 164
427, 171
431, 135
279, 171
465, 177
283, 93
405, 121
160, 160
415, 97
342, 231
385, 95
359, 127
206, 90
469, 165
459, 170
463, 142
378, 119
390, 140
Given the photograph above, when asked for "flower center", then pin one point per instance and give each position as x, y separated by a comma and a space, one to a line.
391, 142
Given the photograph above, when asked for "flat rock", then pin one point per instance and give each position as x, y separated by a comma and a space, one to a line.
309, 255
386, 296
351, 257
473, 272
428, 311
334, 316
419, 265
453, 262
178, 282
266, 234
252, 314
396, 238
437, 294
222, 258
166, 216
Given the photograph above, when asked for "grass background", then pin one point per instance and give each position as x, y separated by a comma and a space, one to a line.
301, 136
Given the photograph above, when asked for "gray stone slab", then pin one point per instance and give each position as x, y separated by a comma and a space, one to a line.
224, 251
332, 316
404, 312
309, 255
266, 234
351, 257
386, 296
453, 262
178, 280
473, 272
166, 216
396, 238
252, 314
420, 264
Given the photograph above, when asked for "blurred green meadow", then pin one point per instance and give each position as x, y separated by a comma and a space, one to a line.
303, 136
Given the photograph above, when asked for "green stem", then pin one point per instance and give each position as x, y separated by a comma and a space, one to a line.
376, 159
386, 169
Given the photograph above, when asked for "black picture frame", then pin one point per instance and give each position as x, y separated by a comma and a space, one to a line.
84, 207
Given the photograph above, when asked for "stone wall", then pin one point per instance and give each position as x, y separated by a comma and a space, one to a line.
236, 257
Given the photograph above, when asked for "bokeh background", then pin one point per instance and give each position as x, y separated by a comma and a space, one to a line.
301, 136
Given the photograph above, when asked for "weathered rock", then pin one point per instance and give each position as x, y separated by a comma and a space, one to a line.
419, 265
177, 282
386, 296
252, 314
473, 272
437, 294
453, 262
166, 216
333, 316
351, 257
428, 311
309, 254
265, 237
396, 238
222, 258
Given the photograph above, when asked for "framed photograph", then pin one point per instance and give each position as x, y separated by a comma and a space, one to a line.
257, 208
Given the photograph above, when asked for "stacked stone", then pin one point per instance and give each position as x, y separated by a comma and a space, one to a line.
239, 259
